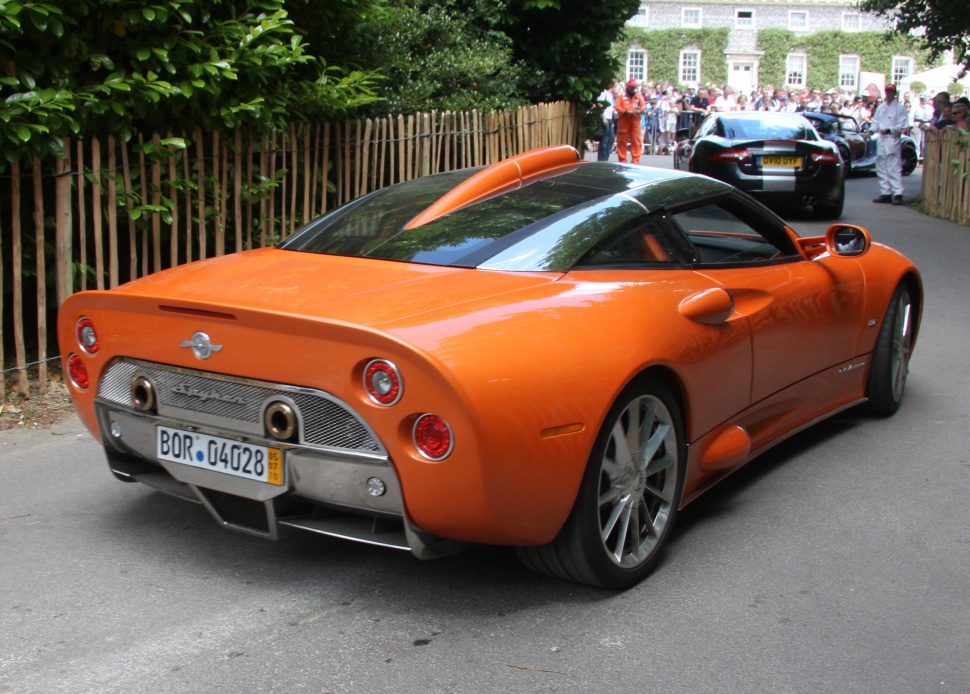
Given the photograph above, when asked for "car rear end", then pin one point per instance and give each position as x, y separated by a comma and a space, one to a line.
795, 167
272, 415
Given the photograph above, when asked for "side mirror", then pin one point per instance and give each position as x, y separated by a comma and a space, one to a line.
683, 134
847, 240
865, 127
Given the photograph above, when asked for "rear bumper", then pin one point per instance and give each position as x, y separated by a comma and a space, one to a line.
824, 184
351, 494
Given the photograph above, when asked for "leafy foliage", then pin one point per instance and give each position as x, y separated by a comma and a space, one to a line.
564, 45
941, 25
875, 50
663, 48
97, 66
443, 55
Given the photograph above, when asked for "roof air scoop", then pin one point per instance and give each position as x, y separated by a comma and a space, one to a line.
496, 177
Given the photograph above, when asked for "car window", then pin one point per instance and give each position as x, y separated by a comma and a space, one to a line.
646, 240
707, 128
728, 232
849, 125
768, 129
825, 127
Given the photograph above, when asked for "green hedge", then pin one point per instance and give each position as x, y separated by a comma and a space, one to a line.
663, 52
875, 50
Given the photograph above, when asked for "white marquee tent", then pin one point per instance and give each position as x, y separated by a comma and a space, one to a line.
936, 80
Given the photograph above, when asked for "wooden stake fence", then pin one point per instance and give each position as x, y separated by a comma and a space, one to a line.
212, 195
946, 175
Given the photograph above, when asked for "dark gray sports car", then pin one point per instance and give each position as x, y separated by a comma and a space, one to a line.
776, 157
856, 144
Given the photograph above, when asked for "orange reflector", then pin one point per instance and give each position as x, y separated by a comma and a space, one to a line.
565, 429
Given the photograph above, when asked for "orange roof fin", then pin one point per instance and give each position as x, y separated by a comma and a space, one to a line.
498, 176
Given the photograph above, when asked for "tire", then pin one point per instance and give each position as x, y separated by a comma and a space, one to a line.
830, 211
910, 159
627, 503
890, 359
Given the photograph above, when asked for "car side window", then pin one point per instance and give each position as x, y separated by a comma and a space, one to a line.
726, 233
648, 240
706, 128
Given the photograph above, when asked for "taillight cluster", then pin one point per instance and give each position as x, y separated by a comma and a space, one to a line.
733, 155
382, 381
825, 158
87, 341
432, 437
430, 434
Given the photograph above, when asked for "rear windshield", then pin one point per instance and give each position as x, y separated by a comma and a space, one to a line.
374, 226
768, 129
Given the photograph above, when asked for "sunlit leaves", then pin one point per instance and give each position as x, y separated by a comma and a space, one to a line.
96, 67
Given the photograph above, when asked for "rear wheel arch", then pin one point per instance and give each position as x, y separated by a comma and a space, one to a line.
669, 378
631, 490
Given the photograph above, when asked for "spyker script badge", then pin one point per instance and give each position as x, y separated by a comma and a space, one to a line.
201, 345
203, 395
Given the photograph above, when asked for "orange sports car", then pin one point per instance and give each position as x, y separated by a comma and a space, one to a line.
544, 353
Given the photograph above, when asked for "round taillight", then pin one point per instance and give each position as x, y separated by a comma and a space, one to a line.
78, 372
382, 381
87, 337
432, 437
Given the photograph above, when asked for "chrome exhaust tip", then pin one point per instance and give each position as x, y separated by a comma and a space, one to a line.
280, 421
142, 394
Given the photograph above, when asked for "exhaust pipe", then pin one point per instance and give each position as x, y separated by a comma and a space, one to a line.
809, 200
142, 394
280, 421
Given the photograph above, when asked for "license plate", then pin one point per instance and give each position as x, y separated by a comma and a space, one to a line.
781, 161
229, 456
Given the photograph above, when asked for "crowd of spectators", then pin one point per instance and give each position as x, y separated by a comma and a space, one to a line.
669, 108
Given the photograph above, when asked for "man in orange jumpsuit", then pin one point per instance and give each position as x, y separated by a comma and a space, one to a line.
630, 106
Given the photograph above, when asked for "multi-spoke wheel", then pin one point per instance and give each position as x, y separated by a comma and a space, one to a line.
890, 360
629, 496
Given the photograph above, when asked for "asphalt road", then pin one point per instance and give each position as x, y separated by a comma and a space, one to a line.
837, 562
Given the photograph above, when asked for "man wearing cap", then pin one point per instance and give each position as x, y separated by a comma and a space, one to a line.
890, 120
629, 106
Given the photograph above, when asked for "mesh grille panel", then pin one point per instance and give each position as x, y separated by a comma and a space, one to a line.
327, 422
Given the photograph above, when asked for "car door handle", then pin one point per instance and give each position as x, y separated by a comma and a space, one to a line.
711, 307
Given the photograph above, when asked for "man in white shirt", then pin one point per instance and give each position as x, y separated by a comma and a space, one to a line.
922, 113
890, 120
606, 126
726, 101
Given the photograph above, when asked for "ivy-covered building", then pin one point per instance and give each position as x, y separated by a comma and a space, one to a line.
795, 44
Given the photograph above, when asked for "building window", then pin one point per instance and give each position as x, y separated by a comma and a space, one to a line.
798, 20
690, 17
744, 19
849, 71
636, 65
851, 21
639, 19
690, 67
902, 68
795, 74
